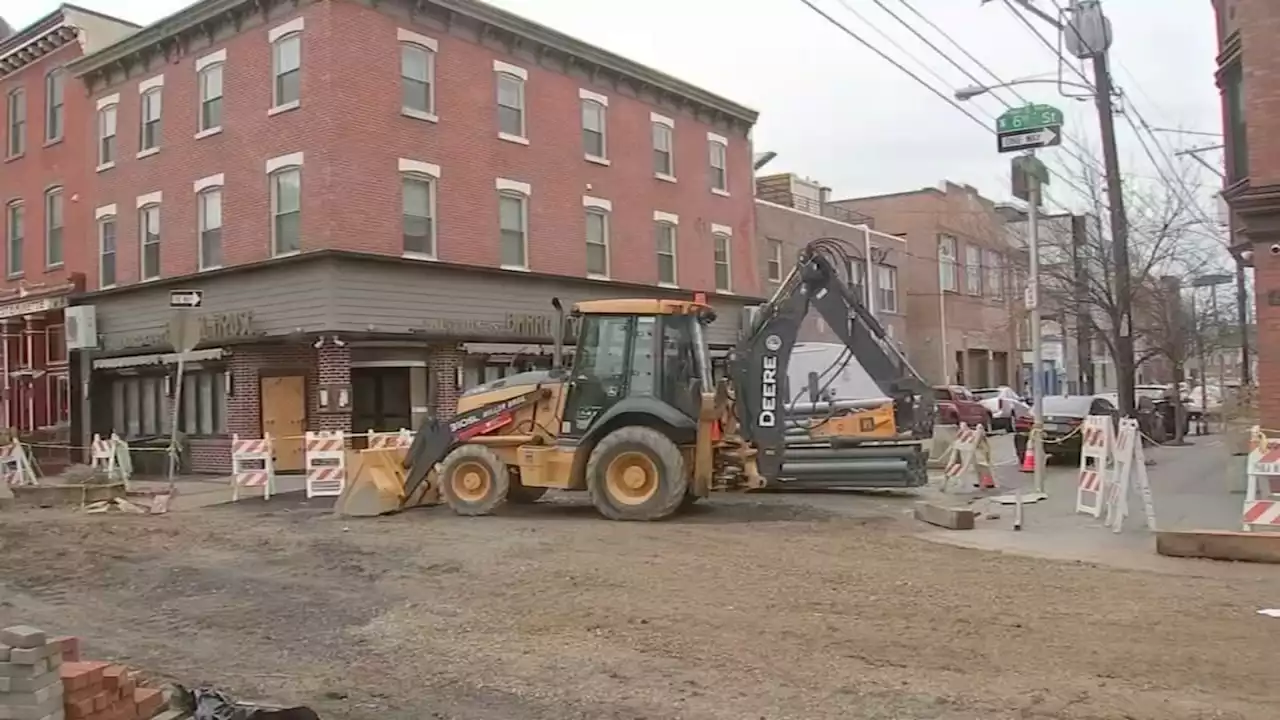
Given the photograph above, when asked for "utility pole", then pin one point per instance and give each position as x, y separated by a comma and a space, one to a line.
1033, 303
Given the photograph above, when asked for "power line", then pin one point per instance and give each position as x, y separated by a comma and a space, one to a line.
962, 50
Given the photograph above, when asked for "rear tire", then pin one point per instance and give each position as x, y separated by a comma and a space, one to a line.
474, 480
637, 473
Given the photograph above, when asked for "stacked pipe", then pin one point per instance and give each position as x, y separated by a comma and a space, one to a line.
823, 463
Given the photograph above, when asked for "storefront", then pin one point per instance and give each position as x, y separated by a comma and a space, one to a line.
326, 341
36, 388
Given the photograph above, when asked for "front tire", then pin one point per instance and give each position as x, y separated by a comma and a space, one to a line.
637, 473
474, 480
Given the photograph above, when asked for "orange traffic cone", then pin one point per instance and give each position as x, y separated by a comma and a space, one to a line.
1028, 461
986, 480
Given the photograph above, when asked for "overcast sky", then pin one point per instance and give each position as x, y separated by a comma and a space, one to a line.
836, 112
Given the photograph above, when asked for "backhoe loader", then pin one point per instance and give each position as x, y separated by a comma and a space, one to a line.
639, 423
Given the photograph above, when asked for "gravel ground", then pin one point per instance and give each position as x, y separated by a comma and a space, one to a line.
743, 610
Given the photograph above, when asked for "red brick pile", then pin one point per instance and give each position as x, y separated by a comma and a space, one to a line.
100, 691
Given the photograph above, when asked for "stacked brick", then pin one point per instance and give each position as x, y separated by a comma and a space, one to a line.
44, 679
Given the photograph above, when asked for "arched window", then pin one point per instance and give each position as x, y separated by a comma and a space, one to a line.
286, 69
54, 90
15, 225
149, 240
286, 210
106, 136
53, 227
513, 220
593, 128
150, 131
210, 81
418, 192
107, 251
209, 225
417, 79
511, 105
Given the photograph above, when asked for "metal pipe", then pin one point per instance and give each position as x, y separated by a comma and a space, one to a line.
823, 407
1033, 295
830, 453
841, 467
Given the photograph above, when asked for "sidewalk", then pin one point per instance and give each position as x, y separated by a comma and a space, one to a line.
194, 492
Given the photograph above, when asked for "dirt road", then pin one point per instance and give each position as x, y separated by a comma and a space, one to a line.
744, 610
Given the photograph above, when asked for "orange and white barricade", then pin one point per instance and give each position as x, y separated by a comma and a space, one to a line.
15, 465
111, 456
326, 461
389, 440
1262, 493
1096, 441
1129, 468
252, 465
969, 453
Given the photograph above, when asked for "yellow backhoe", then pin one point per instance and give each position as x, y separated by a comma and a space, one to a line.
641, 425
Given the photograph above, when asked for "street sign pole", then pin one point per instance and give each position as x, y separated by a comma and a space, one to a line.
1037, 359
184, 332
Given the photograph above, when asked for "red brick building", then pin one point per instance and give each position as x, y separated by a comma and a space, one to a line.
1249, 79
378, 204
41, 182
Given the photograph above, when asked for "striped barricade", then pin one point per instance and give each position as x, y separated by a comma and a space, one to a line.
1096, 441
969, 452
326, 461
1129, 468
15, 465
1262, 493
389, 440
111, 457
252, 465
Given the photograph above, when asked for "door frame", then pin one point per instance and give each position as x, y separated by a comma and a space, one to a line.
307, 387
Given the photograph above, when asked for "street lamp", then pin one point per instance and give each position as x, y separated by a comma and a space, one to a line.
973, 91
1210, 280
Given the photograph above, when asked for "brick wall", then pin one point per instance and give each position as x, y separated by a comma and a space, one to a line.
443, 365
333, 367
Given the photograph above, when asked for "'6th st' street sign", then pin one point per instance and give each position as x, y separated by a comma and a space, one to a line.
1028, 128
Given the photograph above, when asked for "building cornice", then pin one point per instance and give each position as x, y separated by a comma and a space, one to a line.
171, 36
46, 36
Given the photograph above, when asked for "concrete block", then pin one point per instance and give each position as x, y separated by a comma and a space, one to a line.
14, 670
34, 697
149, 701
4, 653
950, 518
30, 656
31, 712
1263, 547
68, 647
23, 636
30, 684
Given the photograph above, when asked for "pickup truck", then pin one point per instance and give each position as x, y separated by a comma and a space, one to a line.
957, 405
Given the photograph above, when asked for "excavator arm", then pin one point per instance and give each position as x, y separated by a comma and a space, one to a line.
759, 362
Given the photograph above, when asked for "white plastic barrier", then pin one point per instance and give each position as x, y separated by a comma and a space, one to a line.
1096, 440
1262, 493
252, 465
111, 456
15, 465
969, 453
387, 440
326, 461
1129, 469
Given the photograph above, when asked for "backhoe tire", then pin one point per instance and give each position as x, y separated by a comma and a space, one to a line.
637, 473
474, 480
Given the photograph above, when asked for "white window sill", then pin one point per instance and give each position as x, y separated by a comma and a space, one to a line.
210, 268
597, 160
597, 276
672, 286
150, 279
49, 267
148, 152
775, 280
105, 166
721, 193
516, 268
284, 108
664, 177
513, 138
291, 253
410, 255
14, 276
209, 132
108, 287
723, 292
419, 115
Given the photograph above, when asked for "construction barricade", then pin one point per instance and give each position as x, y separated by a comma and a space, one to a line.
111, 457
15, 465
970, 453
326, 463
1262, 492
1096, 441
388, 440
1128, 469
252, 465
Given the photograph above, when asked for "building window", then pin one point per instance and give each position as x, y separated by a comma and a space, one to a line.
59, 399
16, 114
719, 174
419, 214
286, 69
995, 275
724, 275
54, 104
593, 128
53, 227
973, 269
1236, 126
887, 288
947, 264
107, 136
56, 344
665, 234
211, 97
513, 218
15, 226
204, 403
663, 158
151, 109
858, 279
149, 239
774, 261
417, 79
510, 105
107, 251
209, 210
286, 211
597, 242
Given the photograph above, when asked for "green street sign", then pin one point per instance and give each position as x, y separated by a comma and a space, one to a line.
1029, 117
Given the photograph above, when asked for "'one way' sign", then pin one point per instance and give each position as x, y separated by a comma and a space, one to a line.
186, 298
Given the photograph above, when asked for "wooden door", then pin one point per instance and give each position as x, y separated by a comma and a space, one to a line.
284, 416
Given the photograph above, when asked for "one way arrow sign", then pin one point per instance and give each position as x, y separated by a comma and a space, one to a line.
186, 298
1029, 139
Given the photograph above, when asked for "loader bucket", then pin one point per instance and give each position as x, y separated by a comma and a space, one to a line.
375, 484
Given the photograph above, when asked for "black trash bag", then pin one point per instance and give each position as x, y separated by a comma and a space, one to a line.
208, 704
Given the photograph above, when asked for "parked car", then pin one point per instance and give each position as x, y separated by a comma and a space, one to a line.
1157, 414
957, 405
1063, 414
1003, 403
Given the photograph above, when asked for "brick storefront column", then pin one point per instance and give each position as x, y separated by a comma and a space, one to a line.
444, 363
333, 367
